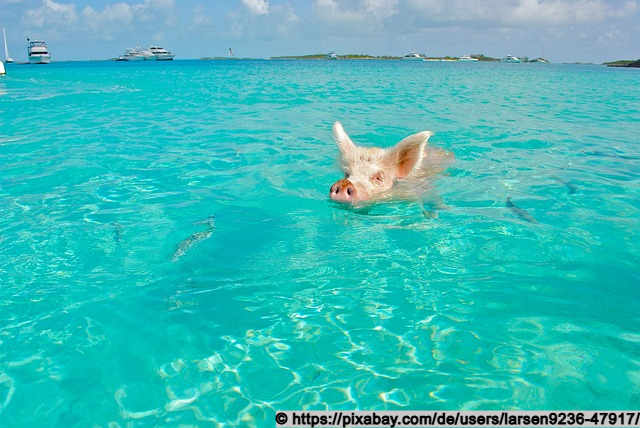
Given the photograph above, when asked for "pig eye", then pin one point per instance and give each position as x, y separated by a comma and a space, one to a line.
347, 175
378, 177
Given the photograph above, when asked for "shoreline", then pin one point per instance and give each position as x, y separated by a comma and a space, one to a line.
322, 57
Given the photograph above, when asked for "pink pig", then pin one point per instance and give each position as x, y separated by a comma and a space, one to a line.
372, 173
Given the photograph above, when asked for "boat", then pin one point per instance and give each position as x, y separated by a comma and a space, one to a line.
2, 69
512, 59
540, 60
331, 55
147, 55
467, 58
38, 52
159, 54
412, 56
154, 53
132, 54
7, 58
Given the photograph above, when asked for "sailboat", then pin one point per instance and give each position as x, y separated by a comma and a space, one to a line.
7, 58
230, 52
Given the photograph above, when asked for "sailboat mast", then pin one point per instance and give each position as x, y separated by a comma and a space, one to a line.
6, 49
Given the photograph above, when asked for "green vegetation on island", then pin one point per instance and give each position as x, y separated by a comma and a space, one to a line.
479, 57
482, 57
324, 56
334, 56
624, 63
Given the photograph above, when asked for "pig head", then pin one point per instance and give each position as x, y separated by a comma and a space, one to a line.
370, 173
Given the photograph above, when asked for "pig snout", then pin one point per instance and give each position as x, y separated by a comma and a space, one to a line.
343, 191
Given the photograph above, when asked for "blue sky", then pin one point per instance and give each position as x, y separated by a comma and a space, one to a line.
561, 30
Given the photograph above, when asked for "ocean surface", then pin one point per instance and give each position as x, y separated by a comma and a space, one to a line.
169, 254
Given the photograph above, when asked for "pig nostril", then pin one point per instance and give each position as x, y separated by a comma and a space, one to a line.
343, 191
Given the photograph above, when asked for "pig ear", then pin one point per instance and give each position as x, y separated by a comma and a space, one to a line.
408, 153
342, 139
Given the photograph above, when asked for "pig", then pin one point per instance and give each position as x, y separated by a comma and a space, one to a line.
372, 173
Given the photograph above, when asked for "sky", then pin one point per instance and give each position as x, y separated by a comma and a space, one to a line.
559, 30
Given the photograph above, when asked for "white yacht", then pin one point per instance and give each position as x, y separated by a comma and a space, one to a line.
7, 58
132, 54
511, 58
540, 60
331, 55
159, 54
467, 58
412, 56
37, 52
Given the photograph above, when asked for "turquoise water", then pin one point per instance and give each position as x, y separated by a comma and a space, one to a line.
123, 302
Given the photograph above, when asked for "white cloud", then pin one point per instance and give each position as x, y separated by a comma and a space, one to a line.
286, 17
52, 13
355, 12
554, 13
382, 9
106, 24
103, 24
258, 7
509, 13
200, 19
329, 10
626, 9
265, 22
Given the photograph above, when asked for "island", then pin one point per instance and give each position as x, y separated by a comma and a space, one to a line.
334, 56
324, 56
479, 57
624, 63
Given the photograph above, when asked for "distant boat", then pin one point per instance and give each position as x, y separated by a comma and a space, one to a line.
540, 60
159, 54
331, 55
132, 54
154, 53
147, 55
512, 59
7, 58
38, 52
2, 70
467, 58
412, 56
230, 52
